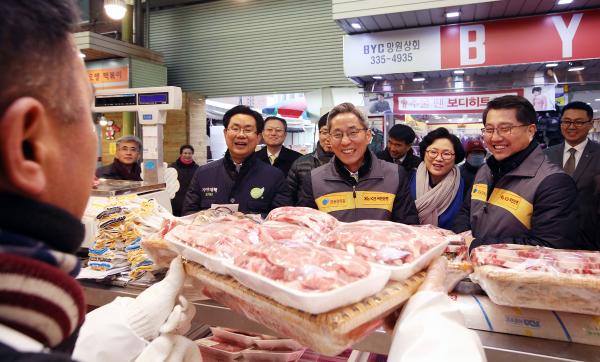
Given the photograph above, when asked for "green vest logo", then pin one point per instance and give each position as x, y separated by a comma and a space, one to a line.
257, 192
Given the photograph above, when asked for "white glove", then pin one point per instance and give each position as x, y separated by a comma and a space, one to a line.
180, 319
171, 181
150, 310
170, 348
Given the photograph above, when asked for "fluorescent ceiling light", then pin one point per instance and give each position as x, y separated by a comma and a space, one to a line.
115, 9
377, 77
597, 99
459, 72
453, 14
575, 67
564, 2
356, 26
418, 77
551, 65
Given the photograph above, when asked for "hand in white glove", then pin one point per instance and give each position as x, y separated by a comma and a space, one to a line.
170, 348
180, 319
434, 281
150, 310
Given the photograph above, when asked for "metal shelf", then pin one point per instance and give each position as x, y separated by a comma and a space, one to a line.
497, 346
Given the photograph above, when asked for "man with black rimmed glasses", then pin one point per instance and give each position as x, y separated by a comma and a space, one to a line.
518, 196
579, 157
239, 177
355, 184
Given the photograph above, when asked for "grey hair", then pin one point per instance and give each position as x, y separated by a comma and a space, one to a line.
134, 139
347, 108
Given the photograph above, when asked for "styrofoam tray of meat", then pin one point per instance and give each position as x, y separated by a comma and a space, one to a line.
329, 290
210, 262
539, 278
403, 272
254, 355
238, 337
401, 249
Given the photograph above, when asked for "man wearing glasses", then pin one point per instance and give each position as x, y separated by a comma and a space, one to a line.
355, 184
275, 153
579, 157
518, 196
239, 177
125, 165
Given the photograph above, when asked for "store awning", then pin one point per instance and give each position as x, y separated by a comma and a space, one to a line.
287, 109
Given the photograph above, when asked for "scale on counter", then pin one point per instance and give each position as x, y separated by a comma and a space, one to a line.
151, 105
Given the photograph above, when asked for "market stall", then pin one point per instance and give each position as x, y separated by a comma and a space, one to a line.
337, 308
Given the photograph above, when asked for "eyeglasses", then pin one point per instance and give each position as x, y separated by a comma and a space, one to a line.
445, 154
502, 131
274, 130
237, 130
352, 133
125, 149
577, 123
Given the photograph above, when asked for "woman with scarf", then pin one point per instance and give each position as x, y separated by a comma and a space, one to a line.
436, 185
186, 167
125, 165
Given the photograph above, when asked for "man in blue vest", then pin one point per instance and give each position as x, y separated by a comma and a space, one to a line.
518, 196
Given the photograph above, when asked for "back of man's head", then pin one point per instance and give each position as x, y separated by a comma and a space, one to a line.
34, 56
242, 109
402, 133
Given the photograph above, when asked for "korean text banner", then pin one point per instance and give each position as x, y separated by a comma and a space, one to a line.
535, 39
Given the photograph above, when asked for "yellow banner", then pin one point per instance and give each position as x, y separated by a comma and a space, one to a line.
364, 200
479, 192
513, 203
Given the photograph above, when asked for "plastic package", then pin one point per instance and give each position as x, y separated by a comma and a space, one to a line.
480, 313
306, 276
214, 245
254, 355
318, 221
402, 249
242, 339
283, 231
328, 333
538, 277
218, 349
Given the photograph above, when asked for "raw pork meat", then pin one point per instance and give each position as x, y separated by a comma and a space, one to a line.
225, 239
303, 266
318, 221
283, 231
527, 257
384, 242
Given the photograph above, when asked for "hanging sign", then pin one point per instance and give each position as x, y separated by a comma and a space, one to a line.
535, 39
108, 74
443, 103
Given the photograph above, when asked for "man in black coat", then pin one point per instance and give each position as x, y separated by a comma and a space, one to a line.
288, 195
474, 160
580, 157
399, 148
275, 153
185, 167
125, 166
239, 177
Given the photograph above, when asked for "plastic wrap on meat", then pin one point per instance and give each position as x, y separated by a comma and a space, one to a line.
318, 221
384, 242
283, 231
303, 266
537, 258
225, 239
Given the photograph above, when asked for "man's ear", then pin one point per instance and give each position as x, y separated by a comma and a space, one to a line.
22, 150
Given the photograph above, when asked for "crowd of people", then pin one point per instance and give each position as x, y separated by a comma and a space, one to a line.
514, 192
520, 194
